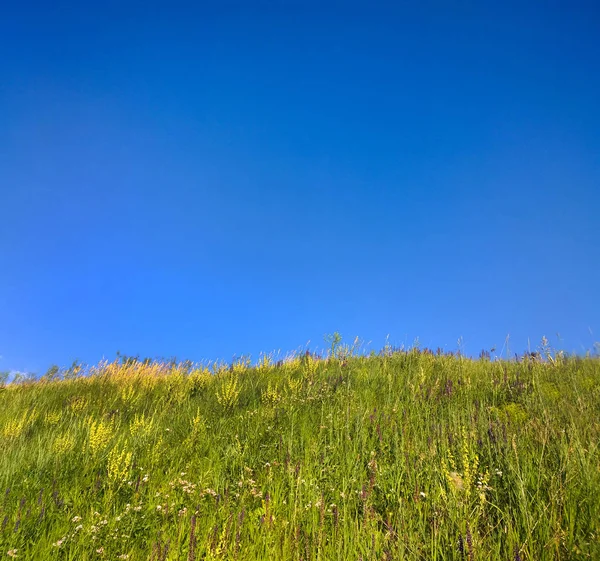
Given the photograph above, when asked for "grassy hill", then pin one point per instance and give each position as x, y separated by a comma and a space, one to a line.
401, 455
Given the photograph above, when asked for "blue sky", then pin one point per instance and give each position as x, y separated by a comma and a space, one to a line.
237, 178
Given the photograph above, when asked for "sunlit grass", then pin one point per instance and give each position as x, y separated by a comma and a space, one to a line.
399, 455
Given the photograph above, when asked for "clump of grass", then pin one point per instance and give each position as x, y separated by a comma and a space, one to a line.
405, 454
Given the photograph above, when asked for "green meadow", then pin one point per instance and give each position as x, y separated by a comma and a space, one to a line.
404, 454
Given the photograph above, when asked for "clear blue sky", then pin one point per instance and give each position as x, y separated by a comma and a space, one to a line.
225, 180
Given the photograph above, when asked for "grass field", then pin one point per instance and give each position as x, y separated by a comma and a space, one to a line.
397, 455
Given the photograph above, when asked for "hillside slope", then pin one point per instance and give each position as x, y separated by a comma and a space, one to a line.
402, 455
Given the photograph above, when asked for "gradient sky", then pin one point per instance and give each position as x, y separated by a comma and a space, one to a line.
236, 178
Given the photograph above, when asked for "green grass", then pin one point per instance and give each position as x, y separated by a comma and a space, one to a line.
403, 455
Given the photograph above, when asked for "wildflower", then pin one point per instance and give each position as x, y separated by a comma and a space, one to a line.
123, 556
422, 494
63, 444
100, 550
119, 462
76, 519
456, 480
59, 542
12, 553
99, 436
77, 528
